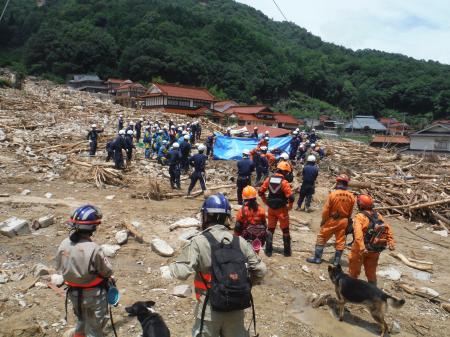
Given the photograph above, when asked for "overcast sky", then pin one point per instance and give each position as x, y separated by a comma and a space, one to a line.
417, 28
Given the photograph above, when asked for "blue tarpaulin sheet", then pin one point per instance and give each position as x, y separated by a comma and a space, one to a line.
230, 148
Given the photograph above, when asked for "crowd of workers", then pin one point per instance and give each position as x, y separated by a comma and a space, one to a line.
206, 256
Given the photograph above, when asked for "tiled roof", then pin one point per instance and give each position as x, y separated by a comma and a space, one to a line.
248, 118
391, 139
286, 118
176, 90
360, 122
131, 85
115, 80
247, 109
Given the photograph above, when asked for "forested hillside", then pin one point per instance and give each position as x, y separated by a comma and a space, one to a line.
229, 47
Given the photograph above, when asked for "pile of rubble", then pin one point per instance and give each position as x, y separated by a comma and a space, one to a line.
413, 187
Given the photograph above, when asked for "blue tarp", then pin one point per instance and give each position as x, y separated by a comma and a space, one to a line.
226, 148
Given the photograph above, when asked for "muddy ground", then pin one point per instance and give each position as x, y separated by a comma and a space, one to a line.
281, 301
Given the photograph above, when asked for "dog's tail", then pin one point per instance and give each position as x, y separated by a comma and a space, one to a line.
394, 301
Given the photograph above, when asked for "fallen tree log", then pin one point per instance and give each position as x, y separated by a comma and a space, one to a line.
139, 237
414, 291
416, 265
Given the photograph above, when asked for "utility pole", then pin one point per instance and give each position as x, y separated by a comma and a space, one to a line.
4, 10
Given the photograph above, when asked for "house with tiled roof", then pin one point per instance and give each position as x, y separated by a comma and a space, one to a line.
393, 126
89, 83
127, 93
113, 83
387, 141
435, 137
365, 124
224, 105
182, 100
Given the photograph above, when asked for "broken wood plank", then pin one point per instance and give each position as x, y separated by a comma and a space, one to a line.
419, 266
134, 232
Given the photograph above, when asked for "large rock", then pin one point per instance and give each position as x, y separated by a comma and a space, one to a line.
40, 270
14, 226
165, 272
182, 290
185, 223
110, 250
162, 248
46, 221
122, 237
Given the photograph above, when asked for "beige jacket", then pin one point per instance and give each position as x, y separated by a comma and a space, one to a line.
196, 257
82, 262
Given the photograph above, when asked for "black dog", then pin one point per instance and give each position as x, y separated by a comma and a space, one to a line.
152, 323
357, 291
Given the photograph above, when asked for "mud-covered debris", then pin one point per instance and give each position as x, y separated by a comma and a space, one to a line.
162, 248
40, 270
182, 290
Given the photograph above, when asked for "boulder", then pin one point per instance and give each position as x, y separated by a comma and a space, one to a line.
57, 280
14, 226
110, 250
46, 221
40, 270
162, 248
165, 272
182, 290
122, 237
185, 223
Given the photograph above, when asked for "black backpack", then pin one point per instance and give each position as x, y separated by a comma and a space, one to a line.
375, 237
230, 282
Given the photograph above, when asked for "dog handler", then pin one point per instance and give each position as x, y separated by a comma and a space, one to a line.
335, 217
86, 270
372, 236
195, 258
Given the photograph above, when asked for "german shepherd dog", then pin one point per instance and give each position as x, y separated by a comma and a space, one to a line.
357, 291
152, 323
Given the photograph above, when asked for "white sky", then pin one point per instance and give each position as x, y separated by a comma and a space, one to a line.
417, 28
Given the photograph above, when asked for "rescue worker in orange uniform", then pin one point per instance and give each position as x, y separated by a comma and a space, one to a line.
280, 201
336, 215
372, 235
251, 218
264, 142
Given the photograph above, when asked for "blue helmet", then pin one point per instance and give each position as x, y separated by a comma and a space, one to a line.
216, 204
86, 218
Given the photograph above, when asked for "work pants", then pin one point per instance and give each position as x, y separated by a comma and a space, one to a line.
118, 159
209, 150
147, 152
280, 215
222, 324
92, 315
241, 183
293, 153
129, 154
110, 154
261, 174
306, 192
174, 171
200, 176
330, 228
92, 147
138, 136
369, 260
185, 163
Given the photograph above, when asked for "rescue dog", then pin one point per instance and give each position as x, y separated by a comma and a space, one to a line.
357, 291
152, 323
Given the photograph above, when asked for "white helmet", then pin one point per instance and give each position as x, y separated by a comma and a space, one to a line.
141, 119
175, 145
172, 126
313, 130
246, 153
164, 141
93, 126
263, 148
180, 128
201, 148
284, 155
129, 132
122, 132
186, 137
297, 129
165, 127
120, 115
266, 138
131, 123
313, 145
311, 158
255, 128
228, 129
295, 132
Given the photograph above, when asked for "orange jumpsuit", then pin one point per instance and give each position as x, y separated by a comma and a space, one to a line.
335, 214
280, 190
247, 217
369, 259
263, 142
270, 158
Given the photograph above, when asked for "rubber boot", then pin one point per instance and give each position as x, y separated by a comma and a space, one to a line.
269, 247
317, 259
287, 246
373, 283
337, 257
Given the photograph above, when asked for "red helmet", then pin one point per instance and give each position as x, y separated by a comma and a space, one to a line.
365, 201
343, 178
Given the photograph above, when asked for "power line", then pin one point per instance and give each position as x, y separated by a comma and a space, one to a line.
4, 10
279, 9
